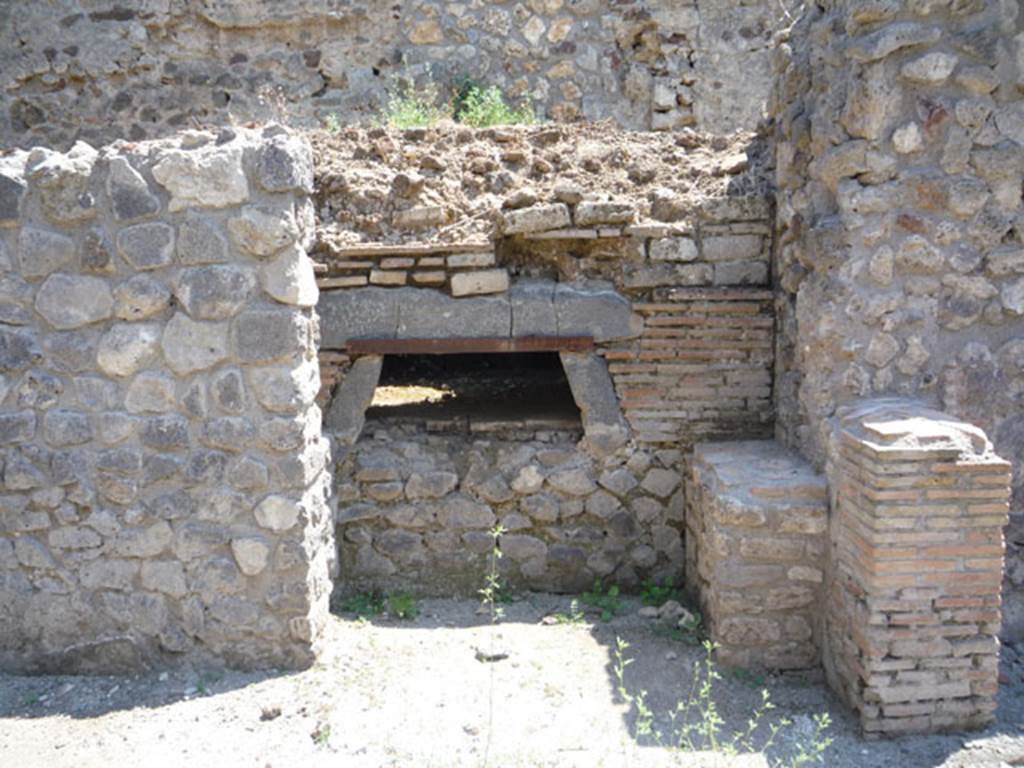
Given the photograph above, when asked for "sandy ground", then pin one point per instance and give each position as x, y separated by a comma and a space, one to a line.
389, 692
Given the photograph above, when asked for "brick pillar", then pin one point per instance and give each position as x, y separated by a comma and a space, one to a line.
913, 609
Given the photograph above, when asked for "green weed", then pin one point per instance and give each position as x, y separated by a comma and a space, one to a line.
412, 107
403, 606
484, 107
658, 594
574, 616
607, 603
332, 123
364, 605
697, 724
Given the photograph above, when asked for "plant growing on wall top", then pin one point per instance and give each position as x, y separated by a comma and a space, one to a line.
410, 106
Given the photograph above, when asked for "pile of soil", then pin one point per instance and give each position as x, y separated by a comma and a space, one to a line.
448, 184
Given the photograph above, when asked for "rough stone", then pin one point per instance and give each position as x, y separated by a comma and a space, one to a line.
147, 246
262, 231
289, 278
278, 513
208, 177
140, 297
127, 348
215, 292
41, 252
251, 553
285, 389
130, 196
285, 163
193, 346
71, 301
200, 242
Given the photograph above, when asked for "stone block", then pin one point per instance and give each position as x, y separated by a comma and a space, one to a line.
673, 249
733, 248
263, 231
480, 282
214, 292
193, 346
361, 313
347, 411
140, 297
289, 278
12, 191
200, 241
285, 163
427, 314
741, 273
533, 308
604, 426
537, 218
594, 309
593, 212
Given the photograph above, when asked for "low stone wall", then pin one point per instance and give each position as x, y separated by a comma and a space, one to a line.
416, 510
913, 610
164, 486
756, 524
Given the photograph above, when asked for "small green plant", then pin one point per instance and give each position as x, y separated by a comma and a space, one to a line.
748, 677
332, 123
697, 724
321, 735
574, 616
412, 107
492, 591
607, 603
689, 633
364, 605
403, 606
658, 594
483, 107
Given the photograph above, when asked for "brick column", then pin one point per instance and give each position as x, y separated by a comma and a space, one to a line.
917, 557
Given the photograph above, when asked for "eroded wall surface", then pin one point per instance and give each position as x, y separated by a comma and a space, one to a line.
164, 485
900, 233
98, 70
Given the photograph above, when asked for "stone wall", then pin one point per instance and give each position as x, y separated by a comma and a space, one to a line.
681, 321
164, 487
900, 237
102, 70
418, 508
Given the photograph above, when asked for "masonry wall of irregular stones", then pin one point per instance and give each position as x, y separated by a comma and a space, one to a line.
164, 493
682, 322
104, 70
900, 233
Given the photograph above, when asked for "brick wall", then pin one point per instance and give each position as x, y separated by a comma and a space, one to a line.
913, 615
756, 524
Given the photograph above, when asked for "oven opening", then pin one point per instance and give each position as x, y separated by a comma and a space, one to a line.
475, 392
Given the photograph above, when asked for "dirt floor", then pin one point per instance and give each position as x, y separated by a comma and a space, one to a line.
389, 692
